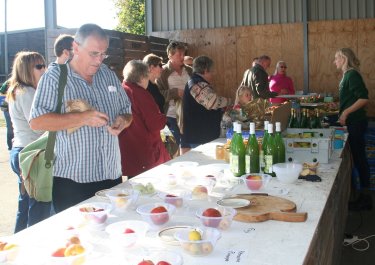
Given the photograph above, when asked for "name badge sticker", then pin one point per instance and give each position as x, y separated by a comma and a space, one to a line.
112, 89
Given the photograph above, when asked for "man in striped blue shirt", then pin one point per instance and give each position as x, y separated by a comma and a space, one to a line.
88, 159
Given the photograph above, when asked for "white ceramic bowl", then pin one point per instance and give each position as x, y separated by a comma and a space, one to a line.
287, 172
156, 220
119, 232
223, 222
257, 182
201, 247
122, 199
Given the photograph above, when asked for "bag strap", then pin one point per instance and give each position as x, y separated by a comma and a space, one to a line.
49, 155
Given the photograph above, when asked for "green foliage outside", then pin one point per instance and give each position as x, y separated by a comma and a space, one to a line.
131, 15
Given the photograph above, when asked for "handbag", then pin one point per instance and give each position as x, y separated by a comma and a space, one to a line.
36, 158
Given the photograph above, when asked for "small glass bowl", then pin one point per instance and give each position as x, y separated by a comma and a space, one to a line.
127, 233
223, 222
156, 220
256, 181
198, 248
122, 199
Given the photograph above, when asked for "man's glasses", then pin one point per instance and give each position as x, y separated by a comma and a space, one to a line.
40, 66
95, 55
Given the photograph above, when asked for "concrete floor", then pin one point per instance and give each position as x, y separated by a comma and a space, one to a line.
8, 189
361, 224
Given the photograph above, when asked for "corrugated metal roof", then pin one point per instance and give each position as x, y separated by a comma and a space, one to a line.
167, 15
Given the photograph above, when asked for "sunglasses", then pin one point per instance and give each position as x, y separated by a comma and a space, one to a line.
283, 67
40, 66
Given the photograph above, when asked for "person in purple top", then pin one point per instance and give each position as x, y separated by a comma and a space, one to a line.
281, 83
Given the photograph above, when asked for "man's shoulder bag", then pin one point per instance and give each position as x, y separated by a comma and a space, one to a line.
36, 158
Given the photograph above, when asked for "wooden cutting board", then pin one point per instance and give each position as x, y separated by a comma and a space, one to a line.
265, 207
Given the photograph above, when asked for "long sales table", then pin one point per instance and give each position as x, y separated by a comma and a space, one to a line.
315, 241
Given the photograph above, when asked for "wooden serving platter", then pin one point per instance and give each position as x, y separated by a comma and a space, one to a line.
265, 207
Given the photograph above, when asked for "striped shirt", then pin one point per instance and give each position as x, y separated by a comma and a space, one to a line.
89, 154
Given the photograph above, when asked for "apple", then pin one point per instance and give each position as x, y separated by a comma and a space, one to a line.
59, 253
194, 235
214, 217
2, 245
207, 247
128, 231
146, 262
159, 215
254, 182
163, 263
74, 250
173, 199
195, 249
73, 240
199, 192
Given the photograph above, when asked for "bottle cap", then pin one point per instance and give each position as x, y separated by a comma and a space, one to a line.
266, 125
270, 128
252, 128
278, 126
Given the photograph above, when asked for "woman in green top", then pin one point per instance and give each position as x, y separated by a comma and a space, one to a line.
353, 100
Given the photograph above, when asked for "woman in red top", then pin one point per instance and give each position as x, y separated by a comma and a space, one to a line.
140, 144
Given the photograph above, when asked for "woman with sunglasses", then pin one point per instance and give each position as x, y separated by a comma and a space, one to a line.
28, 67
281, 83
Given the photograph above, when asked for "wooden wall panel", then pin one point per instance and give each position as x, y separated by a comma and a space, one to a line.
325, 37
366, 42
232, 49
292, 52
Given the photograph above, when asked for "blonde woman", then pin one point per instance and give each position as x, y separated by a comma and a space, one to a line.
28, 67
353, 100
281, 83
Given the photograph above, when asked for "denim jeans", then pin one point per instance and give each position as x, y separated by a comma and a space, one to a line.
175, 130
29, 211
10, 134
357, 145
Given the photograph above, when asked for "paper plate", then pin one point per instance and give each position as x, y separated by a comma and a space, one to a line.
233, 202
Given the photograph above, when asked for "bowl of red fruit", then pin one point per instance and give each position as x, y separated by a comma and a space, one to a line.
95, 213
218, 217
256, 181
156, 214
127, 233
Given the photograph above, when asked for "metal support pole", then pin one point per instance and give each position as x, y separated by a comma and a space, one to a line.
50, 22
6, 62
305, 47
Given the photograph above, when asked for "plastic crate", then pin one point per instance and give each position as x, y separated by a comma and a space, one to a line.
308, 145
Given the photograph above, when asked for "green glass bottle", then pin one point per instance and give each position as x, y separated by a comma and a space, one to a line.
279, 145
252, 152
318, 123
304, 119
291, 119
270, 152
237, 152
296, 123
264, 144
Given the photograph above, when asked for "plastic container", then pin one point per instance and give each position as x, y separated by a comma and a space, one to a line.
287, 172
198, 248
